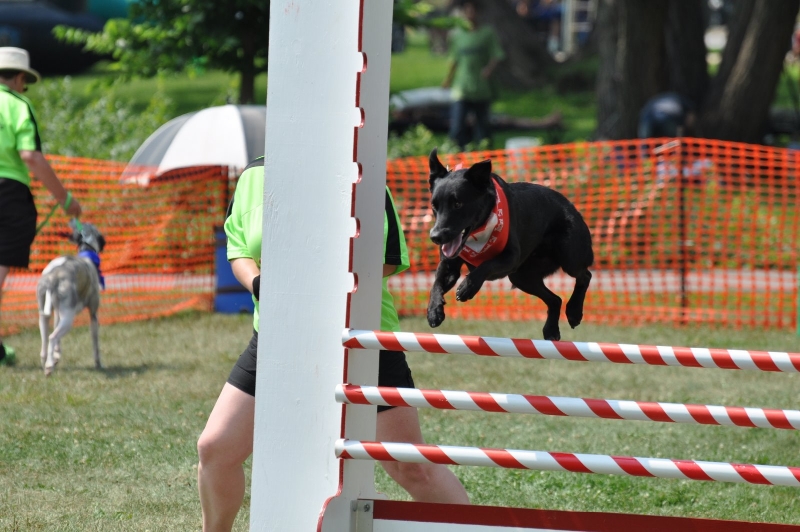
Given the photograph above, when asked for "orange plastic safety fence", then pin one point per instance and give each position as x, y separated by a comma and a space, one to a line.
159, 231
717, 245
684, 231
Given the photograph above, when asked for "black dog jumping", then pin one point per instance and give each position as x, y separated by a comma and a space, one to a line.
522, 231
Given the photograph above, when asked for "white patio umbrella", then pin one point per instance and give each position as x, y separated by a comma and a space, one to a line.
231, 135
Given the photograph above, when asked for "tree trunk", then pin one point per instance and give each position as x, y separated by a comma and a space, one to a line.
639, 60
738, 104
247, 73
527, 58
685, 47
606, 35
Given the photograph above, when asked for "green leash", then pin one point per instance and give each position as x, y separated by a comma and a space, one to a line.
67, 203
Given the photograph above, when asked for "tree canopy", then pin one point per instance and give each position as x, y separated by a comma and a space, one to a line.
179, 35
176, 35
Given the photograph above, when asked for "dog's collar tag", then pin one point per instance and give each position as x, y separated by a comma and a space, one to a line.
95, 259
488, 240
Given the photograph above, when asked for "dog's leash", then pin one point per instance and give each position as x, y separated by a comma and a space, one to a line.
50, 214
46, 219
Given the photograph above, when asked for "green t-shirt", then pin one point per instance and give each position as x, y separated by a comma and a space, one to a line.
395, 253
243, 227
243, 222
18, 131
471, 51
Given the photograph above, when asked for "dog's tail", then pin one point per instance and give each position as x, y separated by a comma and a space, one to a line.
48, 303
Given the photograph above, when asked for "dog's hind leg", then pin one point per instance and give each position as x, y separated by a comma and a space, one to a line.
45, 303
575, 304
95, 326
44, 331
65, 320
57, 345
535, 286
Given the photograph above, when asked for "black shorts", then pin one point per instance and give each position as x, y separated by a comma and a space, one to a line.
393, 370
17, 223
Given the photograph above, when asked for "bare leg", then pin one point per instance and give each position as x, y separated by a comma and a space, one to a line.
424, 482
224, 445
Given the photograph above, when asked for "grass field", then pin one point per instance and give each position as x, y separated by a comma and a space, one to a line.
115, 449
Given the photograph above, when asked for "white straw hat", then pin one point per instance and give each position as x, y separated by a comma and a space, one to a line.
12, 58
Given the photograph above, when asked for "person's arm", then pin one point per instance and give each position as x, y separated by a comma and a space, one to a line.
245, 270
42, 171
389, 269
486, 72
496, 54
448, 80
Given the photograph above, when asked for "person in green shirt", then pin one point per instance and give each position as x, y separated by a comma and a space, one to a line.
474, 55
227, 440
20, 156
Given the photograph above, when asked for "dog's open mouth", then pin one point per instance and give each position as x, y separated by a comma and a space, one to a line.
454, 247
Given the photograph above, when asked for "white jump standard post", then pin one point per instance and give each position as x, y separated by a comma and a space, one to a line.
327, 127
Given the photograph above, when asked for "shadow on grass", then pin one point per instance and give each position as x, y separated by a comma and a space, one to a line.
110, 372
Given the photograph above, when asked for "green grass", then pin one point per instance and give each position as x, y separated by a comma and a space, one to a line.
115, 449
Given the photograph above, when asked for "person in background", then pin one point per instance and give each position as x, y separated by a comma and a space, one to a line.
547, 12
666, 115
474, 53
20, 156
227, 440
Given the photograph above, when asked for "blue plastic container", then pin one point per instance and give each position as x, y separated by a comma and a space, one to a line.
230, 297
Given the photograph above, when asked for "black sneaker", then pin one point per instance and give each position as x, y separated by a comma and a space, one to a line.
8, 357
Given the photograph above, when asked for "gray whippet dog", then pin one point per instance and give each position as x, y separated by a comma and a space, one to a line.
68, 284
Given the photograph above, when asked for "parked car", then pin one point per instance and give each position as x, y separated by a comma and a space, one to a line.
29, 24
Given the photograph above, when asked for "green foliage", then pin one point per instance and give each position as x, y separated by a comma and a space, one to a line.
105, 127
419, 140
420, 14
178, 35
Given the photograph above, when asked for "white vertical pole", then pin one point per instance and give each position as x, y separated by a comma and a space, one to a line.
365, 304
314, 62
309, 169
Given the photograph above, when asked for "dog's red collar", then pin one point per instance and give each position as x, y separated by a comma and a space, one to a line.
488, 240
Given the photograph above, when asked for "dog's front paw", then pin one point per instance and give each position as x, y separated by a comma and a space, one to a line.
435, 315
574, 314
467, 289
551, 332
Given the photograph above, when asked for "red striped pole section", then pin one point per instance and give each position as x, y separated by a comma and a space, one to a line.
570, 406
568, 462
695, 357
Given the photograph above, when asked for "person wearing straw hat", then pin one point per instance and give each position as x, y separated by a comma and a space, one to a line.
20, 157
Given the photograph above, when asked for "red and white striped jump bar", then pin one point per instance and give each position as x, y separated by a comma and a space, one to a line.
569, 406
568, 462
696, 357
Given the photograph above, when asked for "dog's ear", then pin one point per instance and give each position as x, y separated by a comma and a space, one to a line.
437, 169
76, 237
480, 174
102, 242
